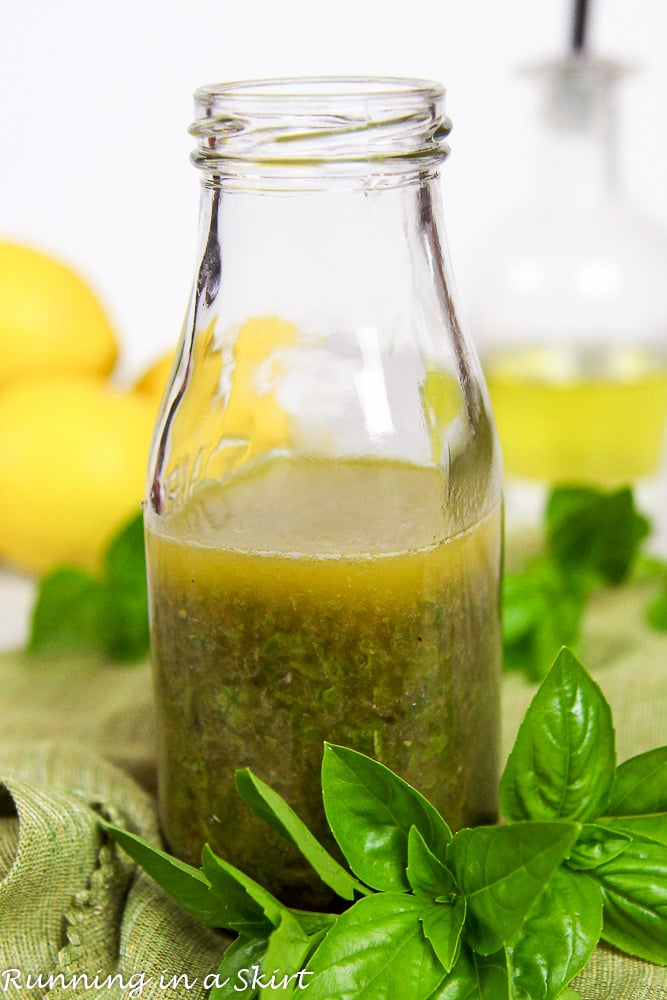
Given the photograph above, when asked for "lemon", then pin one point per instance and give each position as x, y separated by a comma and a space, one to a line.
253, 412
73, 454
243, 421
153, 381
50, 319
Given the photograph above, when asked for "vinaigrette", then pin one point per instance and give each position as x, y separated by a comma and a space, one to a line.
311, 600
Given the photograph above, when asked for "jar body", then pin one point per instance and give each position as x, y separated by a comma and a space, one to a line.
323, 527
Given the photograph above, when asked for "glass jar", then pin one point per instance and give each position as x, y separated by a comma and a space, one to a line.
569, 303
323, 521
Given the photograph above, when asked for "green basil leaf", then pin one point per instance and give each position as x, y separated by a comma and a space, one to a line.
558, 936
656, 613
595, 846
492, 974
641, 785
67, 611
370, 811
255, 910
234, 974
124, 622
376, 949
652, 827
542, 611
502, 871
477, 977
188, 886
273, 809
594, 529
124, 559
649, 569
563, 761
634, 891
426, 874
285, 958
442, 924
313, 922
522, 605
75, 610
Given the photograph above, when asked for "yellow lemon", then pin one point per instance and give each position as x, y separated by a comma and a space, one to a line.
252, 411
73, 454
442, 402
50, 319
154, 380
229, 412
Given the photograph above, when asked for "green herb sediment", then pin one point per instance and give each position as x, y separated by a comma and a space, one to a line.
258, 659
511, 911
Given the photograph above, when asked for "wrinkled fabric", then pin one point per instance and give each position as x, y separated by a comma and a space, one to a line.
71, 902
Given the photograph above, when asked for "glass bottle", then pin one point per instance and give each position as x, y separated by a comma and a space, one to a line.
323, 520
569, 304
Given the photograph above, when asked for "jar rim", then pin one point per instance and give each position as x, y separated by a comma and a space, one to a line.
321, 125
312, 92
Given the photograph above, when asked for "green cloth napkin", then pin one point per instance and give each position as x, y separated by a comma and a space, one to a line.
70, 901
76, 741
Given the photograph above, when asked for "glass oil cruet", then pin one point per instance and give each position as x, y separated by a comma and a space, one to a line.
569, 305
323, 519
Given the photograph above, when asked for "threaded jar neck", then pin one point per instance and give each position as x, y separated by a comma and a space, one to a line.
302, 132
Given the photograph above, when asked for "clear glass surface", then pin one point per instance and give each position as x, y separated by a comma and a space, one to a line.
323, 521
569, 308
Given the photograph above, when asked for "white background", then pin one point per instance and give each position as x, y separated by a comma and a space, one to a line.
95, 101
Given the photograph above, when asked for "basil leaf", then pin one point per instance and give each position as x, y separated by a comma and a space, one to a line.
641, 785
67, 611
313, 922
656, 613
652, 827
634, 891
558, 937
376, 949
442, 924
477, 977
502, 871
563, 761
286, 955
594, 529
595, 846
124, 622
232, 975
75, 610
370, 811
188, 886
426, 874
273, 809
542, 611
492, 975
255, 909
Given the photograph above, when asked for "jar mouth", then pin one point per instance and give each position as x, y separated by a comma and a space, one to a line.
325, 123
312, 93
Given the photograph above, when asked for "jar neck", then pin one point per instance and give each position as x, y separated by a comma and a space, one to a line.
343, 244
319, 133
338, 260
576, 154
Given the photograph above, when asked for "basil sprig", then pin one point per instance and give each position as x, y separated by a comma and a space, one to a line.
104, 612
510, 912
593, 539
